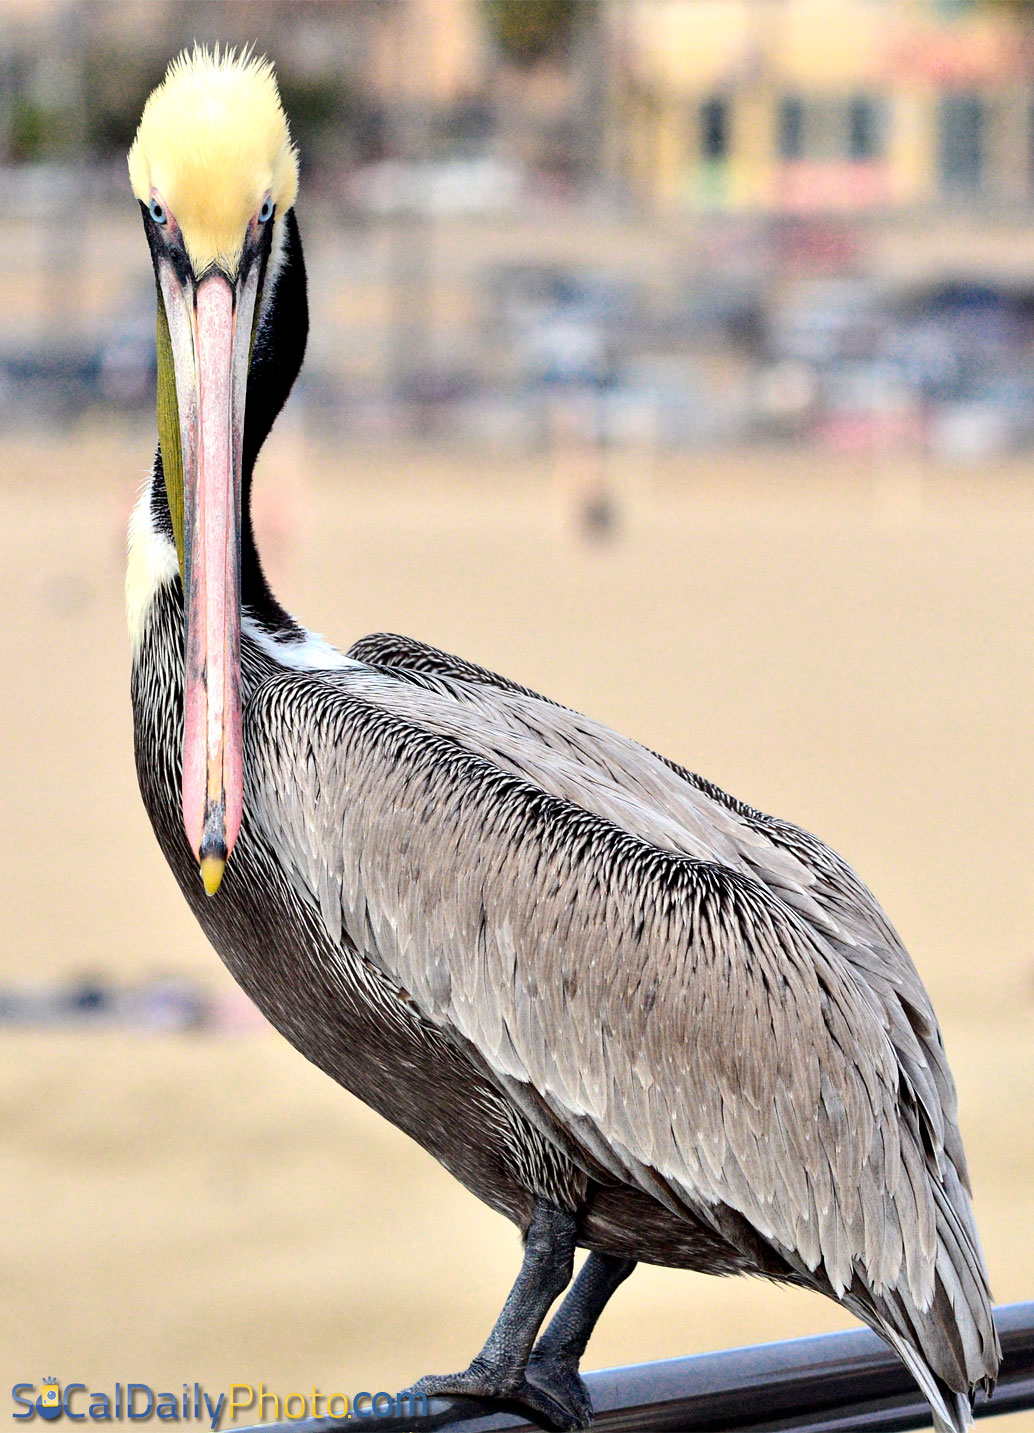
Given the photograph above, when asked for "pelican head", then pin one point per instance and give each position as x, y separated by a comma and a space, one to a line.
215, 173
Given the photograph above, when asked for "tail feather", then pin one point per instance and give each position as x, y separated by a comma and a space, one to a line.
961, 1270
948, 1342
952, 1411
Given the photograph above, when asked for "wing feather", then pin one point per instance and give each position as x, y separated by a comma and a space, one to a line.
705, 1001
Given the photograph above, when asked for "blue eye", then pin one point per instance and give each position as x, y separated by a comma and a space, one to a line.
266, 212
157, 211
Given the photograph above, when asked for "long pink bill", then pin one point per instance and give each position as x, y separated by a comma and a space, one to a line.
213, 777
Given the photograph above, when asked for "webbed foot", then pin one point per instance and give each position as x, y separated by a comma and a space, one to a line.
548, 1405
558, 1377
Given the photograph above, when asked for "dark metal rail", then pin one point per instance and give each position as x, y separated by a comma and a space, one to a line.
835, 1383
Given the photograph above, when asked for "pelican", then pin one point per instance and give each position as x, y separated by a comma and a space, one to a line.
629, 1012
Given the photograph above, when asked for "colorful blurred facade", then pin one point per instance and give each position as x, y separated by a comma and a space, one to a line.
766, 105
683, 223
805, 105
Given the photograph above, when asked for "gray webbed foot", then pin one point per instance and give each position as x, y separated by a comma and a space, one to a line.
547, 1405
558, 1377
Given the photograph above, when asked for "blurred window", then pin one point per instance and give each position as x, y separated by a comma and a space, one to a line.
714, 128
865, 130
961, 143
791, 127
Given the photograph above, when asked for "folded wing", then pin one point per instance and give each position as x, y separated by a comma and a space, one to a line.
676, 983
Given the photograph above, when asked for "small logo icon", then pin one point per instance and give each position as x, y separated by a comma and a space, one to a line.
48, 1404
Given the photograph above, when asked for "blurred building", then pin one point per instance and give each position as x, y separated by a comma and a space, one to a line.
767, 105
812, 105
677, 223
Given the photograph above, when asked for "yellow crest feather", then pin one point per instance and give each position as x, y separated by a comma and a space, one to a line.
213, 140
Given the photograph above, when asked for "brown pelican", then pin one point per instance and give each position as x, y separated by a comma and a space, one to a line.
626, 1010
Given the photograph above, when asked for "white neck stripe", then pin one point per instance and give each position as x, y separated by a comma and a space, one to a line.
312, 653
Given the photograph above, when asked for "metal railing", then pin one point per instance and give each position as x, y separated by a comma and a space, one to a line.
834, 1383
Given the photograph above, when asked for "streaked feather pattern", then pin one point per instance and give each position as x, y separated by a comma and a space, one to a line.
703, 999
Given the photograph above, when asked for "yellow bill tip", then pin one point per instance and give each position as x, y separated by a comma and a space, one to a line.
212, 868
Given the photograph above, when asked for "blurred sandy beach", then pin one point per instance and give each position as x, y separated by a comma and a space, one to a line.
854, 654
